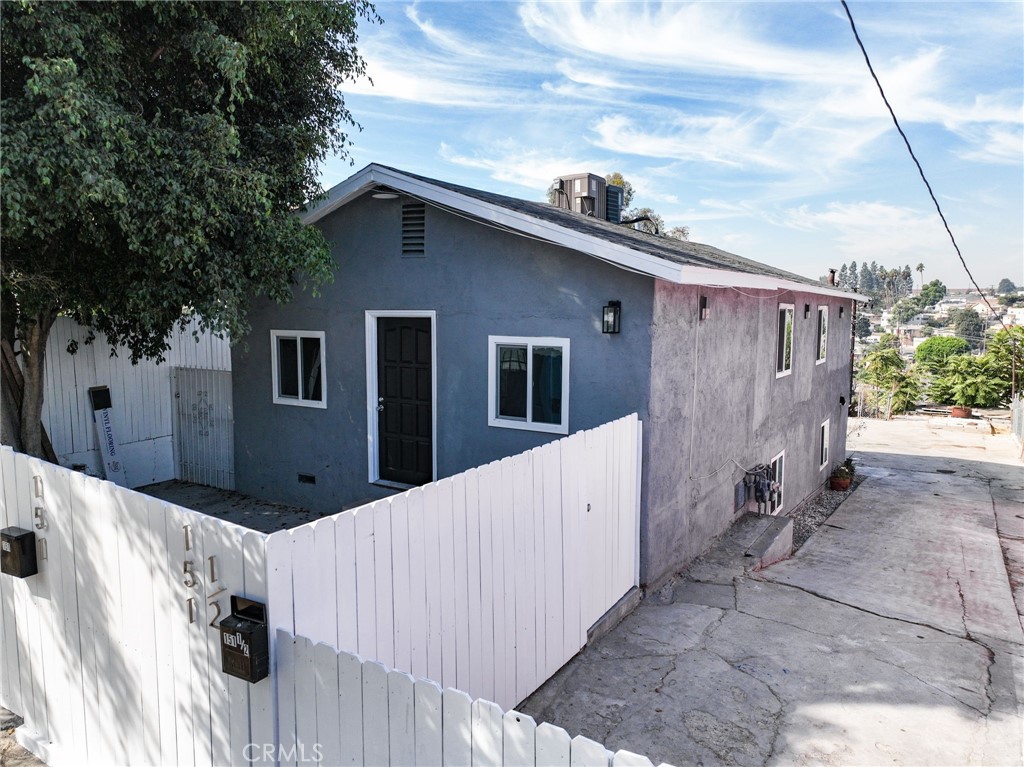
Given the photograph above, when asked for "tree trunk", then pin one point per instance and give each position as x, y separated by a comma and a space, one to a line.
33, 361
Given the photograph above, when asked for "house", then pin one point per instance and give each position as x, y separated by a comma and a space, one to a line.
464, 326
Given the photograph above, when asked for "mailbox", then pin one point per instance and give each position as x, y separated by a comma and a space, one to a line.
244, 641
18, 552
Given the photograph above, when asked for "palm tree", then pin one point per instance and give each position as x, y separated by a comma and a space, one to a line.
920, 270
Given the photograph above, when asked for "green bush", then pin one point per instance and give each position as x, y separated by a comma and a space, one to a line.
971, 382
933, 353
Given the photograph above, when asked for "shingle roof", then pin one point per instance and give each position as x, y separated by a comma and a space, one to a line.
677, 251
679, 261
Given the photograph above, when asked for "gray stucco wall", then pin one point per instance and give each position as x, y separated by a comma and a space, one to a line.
716, 402
481, 281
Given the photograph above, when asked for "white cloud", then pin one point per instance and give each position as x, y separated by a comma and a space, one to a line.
876, 230
512, 162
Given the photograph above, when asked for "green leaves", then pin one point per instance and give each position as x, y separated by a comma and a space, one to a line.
152, 155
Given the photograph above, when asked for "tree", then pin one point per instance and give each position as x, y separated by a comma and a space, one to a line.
932, 293
862, 329
1006, 286
904, 311
889, 341
890, 386
1006, 349
843, 279
920, 270
968, 381
616, 179
854, 283
932, 354
644, 220
1010, 300
967, 324
679, 233
866, 279
153, 155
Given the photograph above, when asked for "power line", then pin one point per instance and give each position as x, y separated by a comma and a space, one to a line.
920, 170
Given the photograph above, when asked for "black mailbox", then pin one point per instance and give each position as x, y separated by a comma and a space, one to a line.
244, 641
18, 552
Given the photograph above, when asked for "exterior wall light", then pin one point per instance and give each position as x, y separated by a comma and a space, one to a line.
704, 311
611, 317
807, 311
840, 312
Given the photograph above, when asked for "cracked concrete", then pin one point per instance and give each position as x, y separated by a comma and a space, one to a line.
891, 637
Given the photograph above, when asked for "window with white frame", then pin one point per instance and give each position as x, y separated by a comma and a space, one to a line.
784, 353
778, 482
528, 383
823, 445
297, 360
822, 333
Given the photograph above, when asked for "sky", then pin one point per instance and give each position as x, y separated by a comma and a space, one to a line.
755, 124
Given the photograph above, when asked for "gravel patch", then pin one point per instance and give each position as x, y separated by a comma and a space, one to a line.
813, 512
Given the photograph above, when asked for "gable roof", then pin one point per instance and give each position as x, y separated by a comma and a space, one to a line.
665, 258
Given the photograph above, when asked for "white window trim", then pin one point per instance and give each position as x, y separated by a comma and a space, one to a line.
825, 437
822, 311
372, 436
275, 370
492, 384
782, 485
792, 341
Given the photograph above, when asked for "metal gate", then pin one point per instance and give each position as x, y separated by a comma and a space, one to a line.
204, 427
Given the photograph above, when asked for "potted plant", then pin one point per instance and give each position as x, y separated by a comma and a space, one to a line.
842, 475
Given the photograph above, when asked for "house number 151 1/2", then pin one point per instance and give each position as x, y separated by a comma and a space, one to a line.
191, 581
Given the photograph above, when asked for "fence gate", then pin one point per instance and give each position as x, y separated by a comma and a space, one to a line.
204, 426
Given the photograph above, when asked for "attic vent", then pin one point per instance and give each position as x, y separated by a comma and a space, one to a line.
414, 217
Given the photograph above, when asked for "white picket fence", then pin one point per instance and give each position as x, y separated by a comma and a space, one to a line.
486, 581
338, 709
107, 654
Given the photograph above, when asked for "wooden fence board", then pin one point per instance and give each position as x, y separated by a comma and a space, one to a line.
629, 759
432, 579
418, 625
345, 540
474, 582
383, 574
588, 753
429, 744
487, 734
305, 701
447, 567
487, 479
553, 745
460, 560
376, 735
325, 588
457, 728
402, 604
553, 552
262, 696
525, 611
366, 591
507, 656
401, 718
519, 738
350, 710
286, 713
328, 704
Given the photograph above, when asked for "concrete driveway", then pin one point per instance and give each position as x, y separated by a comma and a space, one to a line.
891, 637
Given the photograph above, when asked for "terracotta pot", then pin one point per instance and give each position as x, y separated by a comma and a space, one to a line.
961, 412
840, 483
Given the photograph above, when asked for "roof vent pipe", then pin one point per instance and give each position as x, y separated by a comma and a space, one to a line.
832, 277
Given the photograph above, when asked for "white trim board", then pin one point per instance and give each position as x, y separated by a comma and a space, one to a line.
372, 438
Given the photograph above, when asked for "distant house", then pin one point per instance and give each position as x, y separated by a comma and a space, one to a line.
464, 326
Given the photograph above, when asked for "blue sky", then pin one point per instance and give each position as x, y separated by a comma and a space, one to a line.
755, 124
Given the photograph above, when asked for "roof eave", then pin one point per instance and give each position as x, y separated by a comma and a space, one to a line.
624, 257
